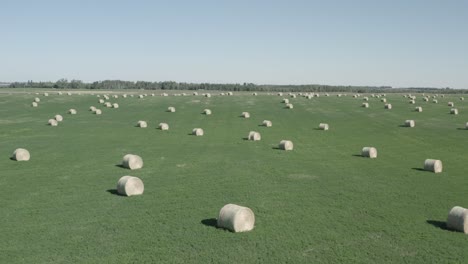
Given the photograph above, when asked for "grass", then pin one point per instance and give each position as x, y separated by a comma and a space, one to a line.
318, 203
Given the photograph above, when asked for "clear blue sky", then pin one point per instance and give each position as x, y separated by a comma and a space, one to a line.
400, 43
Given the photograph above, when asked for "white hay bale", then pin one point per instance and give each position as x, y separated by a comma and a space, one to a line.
69, 94
289, 106
98, 95
323, 126
245, 115
208, 95
458, 219
383, 100
115, 105
410, 123
37, 100
327, 94
462, 98
418, 109
106, 97
133, 162
369, 152
433, 165
254, 94
236, 218
59, 93
451, 104
435, 101
207, 112
163, 126
293, 96
129, 186
412, 102
197, 132
92, 108
108, 105
254, 136
388, 106
59, 118
365, 105
124, 95
454, 111
52, 122
72, 111
142, 124
34, 104
285, 100
280, 94
97, 111
425, 99
365, 98
230, 93
171, 109
21, 154
101, 101
140, 96
286, 145
132, 95
195, 93
267, 123
466, 125
46, 94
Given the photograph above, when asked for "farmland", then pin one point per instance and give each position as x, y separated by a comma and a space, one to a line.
321, 202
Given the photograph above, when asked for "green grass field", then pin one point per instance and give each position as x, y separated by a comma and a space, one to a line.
320, 203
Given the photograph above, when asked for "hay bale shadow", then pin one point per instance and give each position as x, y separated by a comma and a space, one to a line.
357, 155
277, 148
245, 138
439, 224
212, 222
120, 166
113, 192
418, 169
402, 126
460, 128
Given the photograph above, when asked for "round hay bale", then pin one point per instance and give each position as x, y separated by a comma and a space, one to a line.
97, 111
462, 98
21, 154
208, 95
388, 106
116, 96
140, 96
267, 123
124, 95
289, 106
383, 100
254, 136
245, 115
171, 109
72, 111
466, 125
115, 105
207, 112
92, 108
69, 94
365, 105
59, 93
98, 95
163, 126
230, 93
454, 111
133, 162
286, 101
197, 132
412, 102
46, 94
108, 104
142, 124
435, 101
101, 101
195, 93
52, 122
425, 99
236, 218
254, 94
286, 145
369, 152
451, 104
323, 126
129, 186
34, 104
410, 123
59, 118
418, 109
37, 100
433, 165
293, 96
365, 98
458, 219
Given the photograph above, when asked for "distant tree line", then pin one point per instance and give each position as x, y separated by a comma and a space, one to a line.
64, 84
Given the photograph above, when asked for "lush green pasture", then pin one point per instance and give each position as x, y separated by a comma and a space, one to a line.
320, 203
